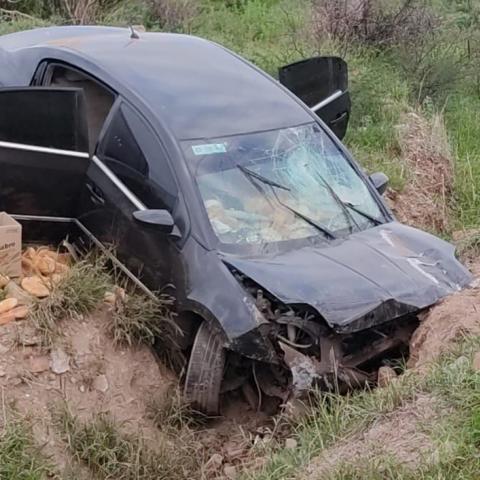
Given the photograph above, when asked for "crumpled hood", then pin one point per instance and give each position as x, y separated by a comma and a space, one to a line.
366, 279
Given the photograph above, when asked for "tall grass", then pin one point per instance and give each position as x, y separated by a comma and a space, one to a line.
463, 121
451, 381
108, 452
20, 457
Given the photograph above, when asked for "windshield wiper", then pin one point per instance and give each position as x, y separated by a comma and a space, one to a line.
340, 202
311, 222
263, 179
327, 232
374, 220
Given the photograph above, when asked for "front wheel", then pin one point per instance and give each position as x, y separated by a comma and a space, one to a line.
205, 371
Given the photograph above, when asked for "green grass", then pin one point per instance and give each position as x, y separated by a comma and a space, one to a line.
80, 291
20, 458
108, 452
451, 381
463, 122
141, 319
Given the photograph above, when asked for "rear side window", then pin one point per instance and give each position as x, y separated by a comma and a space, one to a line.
99, 99
131, 149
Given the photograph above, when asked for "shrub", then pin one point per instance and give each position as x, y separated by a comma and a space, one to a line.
372, 22
174, 15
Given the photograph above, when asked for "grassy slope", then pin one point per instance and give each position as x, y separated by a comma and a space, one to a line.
456, 435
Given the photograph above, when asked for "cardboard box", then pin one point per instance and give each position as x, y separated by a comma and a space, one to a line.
10, 246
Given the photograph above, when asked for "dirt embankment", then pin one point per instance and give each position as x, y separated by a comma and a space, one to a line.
85, 371
454, 317
426, 160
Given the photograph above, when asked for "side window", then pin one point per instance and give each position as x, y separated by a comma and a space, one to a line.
99, 99
133, 152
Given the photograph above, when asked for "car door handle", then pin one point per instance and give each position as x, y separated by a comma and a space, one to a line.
339, 119
96, 194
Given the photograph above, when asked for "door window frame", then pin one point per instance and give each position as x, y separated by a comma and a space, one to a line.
116, 110
43, 76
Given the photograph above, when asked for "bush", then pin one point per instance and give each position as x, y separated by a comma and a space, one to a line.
377, 23
174, 15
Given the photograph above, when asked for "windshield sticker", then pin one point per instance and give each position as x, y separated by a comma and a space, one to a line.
209, 149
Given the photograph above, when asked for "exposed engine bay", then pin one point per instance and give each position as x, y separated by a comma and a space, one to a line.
311, 355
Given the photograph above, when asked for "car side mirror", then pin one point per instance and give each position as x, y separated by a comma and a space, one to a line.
380, 182
160, 220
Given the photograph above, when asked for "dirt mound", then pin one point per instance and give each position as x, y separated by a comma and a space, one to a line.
84, 370
426, 157
457, 315
398, 435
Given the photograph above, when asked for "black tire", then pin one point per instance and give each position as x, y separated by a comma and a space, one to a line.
205, 371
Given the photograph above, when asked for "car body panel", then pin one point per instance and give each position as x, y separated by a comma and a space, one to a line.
313, 80
381, 273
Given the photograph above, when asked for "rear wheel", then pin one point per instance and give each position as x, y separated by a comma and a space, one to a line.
205, 371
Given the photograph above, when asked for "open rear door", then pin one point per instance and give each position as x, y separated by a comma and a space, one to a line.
322, 84
43, 150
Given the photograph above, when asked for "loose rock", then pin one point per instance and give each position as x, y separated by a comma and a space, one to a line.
109, 298
386, 375
14, 291
3, 280
230, 471
234, 451
35, 286
59, 361
214, 462
100, 383
290, 444
45, 265
20, 312
6, 317
39, 364
8, 304
476, 362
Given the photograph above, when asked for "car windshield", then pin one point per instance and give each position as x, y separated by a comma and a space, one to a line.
280, 185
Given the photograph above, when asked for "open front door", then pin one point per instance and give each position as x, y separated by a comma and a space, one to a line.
322, 84
43, 150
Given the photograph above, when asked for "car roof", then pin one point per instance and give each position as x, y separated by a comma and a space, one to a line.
198, 88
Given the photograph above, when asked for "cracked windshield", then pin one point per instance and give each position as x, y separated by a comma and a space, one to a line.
280, 185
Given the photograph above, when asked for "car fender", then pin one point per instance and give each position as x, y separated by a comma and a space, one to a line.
213, 293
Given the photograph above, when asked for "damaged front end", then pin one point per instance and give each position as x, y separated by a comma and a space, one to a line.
335, 315
305, 353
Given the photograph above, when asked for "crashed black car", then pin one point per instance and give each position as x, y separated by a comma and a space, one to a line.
208, 175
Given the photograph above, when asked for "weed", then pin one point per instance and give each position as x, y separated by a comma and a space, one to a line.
140, 319
78, 293
171, 412
451, 380
109, 453
20, 458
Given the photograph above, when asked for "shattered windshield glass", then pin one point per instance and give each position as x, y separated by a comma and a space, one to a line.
280, 185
